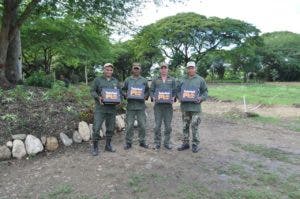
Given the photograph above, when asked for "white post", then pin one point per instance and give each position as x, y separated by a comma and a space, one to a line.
86, 78
245, 105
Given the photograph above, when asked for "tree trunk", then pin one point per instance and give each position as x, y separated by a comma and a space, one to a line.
14, 60
4, 41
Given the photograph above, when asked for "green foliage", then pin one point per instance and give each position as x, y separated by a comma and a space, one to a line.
281, 56
9, 117
190, 36
19, 93
46, 44
40, 79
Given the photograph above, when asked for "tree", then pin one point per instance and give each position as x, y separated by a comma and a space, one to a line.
63, 42
247, 57
281, 56
191, 36
98, 12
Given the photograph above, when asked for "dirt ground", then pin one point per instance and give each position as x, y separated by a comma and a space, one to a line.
238, 159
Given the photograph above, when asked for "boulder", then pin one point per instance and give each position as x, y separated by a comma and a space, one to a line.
84, 131
18, 150
33, 145
5, 153
65, 139
51, 143
76, 137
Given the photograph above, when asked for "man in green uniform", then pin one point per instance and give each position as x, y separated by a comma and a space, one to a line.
191, 110
104, 112
135, 107
163, 111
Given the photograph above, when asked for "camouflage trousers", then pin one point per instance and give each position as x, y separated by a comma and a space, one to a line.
99, 118
163, 113
193, 120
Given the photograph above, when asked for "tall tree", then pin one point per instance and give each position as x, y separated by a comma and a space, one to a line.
191, 35
100, 12
281, 56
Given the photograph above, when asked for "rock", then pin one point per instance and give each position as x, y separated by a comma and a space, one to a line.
9, 144
18, 136
91, 130
76, 137
18, 150
44, 140
5, 153
51, 143
84, 131
33, 145
120, 122
102, 132
135, 124
65, 139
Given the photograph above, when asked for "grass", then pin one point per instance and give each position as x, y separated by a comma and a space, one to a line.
258, 93
135, 182
266, 119
64, 191
248, 194
193, 191
271, 153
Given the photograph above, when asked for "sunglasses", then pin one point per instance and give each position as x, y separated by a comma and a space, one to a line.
136, 68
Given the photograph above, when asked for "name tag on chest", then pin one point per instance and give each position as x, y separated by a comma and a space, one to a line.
111, 96
136, 92
189, 94
163, 96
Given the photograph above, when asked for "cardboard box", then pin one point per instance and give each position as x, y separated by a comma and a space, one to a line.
189, 94
163, 96
111, 96
136, 92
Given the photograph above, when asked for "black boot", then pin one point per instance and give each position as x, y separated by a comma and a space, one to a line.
108, 146
127, 146
144, 145
195, 148
94, 148
183, 147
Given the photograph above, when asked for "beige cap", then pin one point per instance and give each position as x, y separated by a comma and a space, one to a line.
191, 63
164, 64
108, 64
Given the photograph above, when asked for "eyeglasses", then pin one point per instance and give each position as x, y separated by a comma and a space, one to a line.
136, 68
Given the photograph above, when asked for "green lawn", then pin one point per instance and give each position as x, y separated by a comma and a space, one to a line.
258, 93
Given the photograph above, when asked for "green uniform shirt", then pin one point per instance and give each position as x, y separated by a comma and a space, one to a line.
158, 83
134, 104
198, 82
102, 82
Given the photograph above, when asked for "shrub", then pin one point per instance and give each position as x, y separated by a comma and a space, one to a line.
40, 78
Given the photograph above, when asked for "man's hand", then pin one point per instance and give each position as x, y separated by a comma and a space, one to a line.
101, 100
199, 100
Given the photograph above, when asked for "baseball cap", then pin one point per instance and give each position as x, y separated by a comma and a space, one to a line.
108, 64
191, 63
164, 64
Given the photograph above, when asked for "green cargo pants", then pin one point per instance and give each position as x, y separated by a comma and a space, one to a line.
193, 120
141, 118
163, 113
99, 118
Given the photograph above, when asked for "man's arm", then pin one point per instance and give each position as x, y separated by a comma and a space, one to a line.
94, 89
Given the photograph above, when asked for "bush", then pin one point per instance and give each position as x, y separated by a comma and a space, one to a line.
40, 79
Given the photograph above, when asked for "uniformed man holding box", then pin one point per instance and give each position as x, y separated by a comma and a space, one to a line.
192, 91
106, 91
136, 90
163, 92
